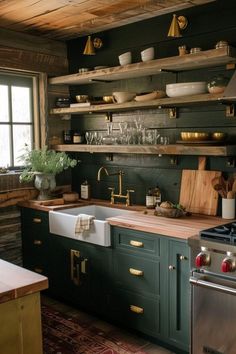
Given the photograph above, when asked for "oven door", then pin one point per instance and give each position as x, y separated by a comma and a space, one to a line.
213, 316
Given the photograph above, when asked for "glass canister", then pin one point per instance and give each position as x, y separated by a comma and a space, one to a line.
68, 136
217, 84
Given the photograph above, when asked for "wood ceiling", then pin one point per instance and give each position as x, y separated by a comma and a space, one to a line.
68, 19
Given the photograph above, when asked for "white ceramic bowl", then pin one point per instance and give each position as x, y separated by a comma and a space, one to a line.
122, 96
186, 88
125, 58
147, 54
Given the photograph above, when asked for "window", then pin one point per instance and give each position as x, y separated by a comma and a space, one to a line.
17, 123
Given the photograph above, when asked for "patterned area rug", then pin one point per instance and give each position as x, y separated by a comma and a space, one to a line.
80, 335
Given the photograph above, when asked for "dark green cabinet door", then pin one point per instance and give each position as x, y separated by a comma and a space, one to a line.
35, 241
179, 293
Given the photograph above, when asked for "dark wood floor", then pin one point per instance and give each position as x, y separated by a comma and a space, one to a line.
150, 348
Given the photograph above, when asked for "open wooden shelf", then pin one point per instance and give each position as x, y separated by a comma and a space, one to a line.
203, 59
171, 149
157, 103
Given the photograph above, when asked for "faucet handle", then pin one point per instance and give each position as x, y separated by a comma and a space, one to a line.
112, 189
128, 196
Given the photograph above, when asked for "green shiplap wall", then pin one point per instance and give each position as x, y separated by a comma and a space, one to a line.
207, 25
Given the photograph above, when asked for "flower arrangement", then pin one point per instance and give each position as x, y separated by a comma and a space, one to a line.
44, 161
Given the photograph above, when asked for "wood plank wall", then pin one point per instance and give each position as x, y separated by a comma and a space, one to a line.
27, 53
208, 24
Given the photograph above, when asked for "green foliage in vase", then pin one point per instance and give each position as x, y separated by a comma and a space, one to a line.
44, 161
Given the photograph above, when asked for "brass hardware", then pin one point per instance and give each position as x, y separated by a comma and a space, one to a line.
84, 266
231, 162
120, 195
173, 113
174, 160
38, 242
136, 243
136, 309
182, 257
230, 66
74, 256
37, 220
38, 270
230, 110
136, 272
171, 267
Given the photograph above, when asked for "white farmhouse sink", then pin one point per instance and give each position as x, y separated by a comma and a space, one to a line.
63, 223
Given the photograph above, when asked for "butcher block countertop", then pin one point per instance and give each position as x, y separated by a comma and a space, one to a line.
16, 282
144, 219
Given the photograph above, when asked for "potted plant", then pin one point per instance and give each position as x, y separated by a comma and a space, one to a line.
44, 165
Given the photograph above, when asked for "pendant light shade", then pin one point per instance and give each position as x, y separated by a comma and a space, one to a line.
89, 47
177, 24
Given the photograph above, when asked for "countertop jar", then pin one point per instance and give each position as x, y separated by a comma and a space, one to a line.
68, 136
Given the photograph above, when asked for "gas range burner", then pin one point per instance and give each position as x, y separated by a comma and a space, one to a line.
223, 233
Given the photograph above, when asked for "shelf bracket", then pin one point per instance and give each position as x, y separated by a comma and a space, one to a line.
230, 110
108, 117
231, 162
174, 160
173, 113
109, 157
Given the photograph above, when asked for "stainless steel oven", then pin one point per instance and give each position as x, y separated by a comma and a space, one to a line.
213, 293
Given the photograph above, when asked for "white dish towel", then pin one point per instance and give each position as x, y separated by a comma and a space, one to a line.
83, 223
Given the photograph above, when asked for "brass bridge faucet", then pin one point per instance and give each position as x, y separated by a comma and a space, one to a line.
120, 195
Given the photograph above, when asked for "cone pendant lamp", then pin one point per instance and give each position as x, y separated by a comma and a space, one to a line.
89, 48
174, 30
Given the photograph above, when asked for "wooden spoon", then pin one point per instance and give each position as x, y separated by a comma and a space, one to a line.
230, 195
220, 190
234, 186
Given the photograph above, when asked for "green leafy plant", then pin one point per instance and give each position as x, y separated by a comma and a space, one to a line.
44, 161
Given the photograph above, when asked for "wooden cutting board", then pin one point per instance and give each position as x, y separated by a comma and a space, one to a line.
196, 193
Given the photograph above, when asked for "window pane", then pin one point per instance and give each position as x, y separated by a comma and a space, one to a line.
4, 104
4, 146
22, 134
21, 111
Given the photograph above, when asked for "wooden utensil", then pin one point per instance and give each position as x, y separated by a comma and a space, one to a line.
196, 192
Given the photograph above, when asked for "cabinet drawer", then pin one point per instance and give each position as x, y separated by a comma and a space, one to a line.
136, 273
35, 223
136, 311
137, 242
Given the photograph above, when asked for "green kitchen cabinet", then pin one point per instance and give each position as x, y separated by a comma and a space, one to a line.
151, 285
35, 241
175, 292
80, 273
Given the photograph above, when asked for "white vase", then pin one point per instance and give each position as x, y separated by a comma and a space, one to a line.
228, 208
45, 183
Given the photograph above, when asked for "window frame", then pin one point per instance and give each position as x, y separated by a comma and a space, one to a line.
15, 77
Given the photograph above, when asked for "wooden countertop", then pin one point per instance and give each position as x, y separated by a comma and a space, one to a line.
16, 282
181, 228
144, 219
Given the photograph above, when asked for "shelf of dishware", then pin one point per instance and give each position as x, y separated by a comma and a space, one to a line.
202, 59
159, 149
207, 98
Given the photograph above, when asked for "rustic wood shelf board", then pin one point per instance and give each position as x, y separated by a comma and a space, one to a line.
202, 59
171, 149
158, 103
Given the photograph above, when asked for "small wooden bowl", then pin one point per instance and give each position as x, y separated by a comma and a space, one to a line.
70, 197
195, 136
219, 136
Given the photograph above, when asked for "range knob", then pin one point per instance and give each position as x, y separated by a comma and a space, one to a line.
202, 259
228, 265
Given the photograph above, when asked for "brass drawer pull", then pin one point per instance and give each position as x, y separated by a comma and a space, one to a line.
136, 243
136, 309
38, 270
137, 272
37, 220
38, 242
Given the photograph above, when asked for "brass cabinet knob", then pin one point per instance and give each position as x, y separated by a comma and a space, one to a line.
182, 257
38, 242
171, 267
136, 243
38, 270
37, 220
136, 309
136, 272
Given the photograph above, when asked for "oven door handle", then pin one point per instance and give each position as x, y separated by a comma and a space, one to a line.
207, 284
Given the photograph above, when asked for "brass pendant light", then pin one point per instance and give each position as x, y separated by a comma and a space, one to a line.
89, 47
